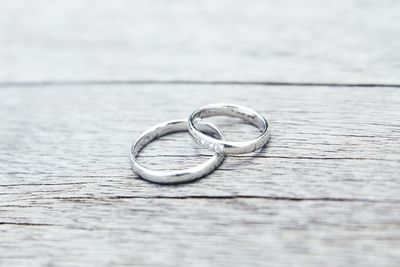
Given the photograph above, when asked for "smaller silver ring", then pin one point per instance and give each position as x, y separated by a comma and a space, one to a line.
231, 110
179, 176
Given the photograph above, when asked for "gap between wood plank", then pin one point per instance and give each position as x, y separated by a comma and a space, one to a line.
189, 82
296, 199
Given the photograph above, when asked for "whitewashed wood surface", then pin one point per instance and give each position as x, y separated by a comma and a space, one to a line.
313, 41
80, 80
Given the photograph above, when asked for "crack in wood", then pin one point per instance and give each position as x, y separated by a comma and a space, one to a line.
232, 197
190, 82
26, 224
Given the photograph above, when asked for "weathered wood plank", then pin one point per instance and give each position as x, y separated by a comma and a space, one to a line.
326, 142
285, 41
199, 232
324, 192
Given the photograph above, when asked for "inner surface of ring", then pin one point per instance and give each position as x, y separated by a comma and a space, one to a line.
231, 111
169, 128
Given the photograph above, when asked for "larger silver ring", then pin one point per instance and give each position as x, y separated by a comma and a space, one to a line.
179, 176
231, 110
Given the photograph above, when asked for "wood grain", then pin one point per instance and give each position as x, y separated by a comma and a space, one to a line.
201, 232
80, 79
280, 41
325, 191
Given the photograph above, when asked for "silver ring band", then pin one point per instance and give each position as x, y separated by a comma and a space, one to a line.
231, 110
170, 177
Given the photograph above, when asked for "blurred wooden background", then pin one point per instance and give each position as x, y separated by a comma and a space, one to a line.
80, 80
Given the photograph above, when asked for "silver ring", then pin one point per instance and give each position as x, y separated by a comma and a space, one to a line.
179, 176
231, 110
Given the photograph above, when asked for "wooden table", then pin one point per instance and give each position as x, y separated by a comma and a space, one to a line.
80, 80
